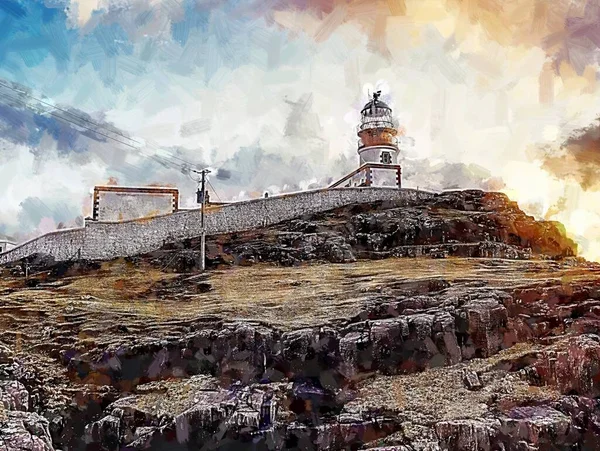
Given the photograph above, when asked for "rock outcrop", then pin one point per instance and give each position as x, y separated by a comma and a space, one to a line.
20, 426
395, 337
468, 223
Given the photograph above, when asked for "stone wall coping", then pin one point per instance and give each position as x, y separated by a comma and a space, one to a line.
219, 206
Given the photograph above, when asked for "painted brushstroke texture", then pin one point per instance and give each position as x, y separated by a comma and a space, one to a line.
495, 94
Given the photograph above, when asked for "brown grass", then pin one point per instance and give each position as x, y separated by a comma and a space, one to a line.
302, 295
88, 308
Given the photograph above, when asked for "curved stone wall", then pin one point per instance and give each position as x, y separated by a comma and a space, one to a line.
102, 240
61, 244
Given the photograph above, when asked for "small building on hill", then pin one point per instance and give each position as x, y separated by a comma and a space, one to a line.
124, 203
377, 149
6, 244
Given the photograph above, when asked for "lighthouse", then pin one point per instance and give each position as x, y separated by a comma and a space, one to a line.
378, 149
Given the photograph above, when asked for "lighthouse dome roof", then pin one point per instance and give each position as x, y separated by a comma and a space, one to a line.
375, 103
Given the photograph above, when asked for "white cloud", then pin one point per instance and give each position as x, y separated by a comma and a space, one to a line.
81, 10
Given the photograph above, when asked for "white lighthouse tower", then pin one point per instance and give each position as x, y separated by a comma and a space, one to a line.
377, 148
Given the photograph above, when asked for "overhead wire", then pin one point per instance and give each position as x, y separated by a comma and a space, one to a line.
214, 190
192, 178
65, 119
153, 145
77, 121
161, 160
70, 113
155, 157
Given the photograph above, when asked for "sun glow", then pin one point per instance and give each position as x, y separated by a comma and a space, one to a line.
545, 197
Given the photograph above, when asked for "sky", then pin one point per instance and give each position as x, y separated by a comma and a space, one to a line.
496, 94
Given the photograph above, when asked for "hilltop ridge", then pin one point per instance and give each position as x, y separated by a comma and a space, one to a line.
469, 223
342, 224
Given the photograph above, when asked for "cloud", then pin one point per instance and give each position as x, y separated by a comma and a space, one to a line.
578, 158
53, 155
441, 176
81, 10
565, 30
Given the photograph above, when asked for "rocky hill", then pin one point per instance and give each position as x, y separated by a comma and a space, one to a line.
315, 334
469, 223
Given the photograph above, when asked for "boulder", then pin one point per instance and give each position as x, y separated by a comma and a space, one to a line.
572, 366
24, 431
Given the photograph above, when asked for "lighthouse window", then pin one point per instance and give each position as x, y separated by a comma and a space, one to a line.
386, 158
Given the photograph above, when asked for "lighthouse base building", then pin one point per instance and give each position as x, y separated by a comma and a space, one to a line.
372, 174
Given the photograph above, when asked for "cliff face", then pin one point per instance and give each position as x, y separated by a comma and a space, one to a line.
407, 354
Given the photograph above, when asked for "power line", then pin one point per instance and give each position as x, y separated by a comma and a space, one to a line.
193, 179
65, 119
155, 157
70, 113
214, 190
160, 159
155, 146
209, 184
95, 124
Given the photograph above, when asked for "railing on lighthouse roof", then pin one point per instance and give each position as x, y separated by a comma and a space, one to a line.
375, 123
376, 115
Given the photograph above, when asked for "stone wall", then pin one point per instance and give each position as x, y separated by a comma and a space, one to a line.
61, 244
100, 240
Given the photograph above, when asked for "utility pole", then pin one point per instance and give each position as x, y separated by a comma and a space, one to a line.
202, 198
